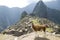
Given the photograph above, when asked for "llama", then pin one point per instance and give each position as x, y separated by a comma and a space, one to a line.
38, 27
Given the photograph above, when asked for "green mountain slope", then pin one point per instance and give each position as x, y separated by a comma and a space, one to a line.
41, 10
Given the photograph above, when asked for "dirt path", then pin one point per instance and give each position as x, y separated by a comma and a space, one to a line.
31, 36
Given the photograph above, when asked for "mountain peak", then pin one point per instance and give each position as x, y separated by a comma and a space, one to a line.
40, 9
40, 2
24, 13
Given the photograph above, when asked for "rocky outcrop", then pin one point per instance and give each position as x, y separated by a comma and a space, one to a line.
23, 26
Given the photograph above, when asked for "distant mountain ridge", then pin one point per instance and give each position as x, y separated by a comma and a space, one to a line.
8, 16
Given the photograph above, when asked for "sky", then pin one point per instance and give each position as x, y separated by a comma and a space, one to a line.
18, 3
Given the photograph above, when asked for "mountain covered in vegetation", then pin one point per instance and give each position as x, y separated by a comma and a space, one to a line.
24, 27
41, 10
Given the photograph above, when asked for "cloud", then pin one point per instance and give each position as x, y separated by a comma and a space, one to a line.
14, 3
18, 3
